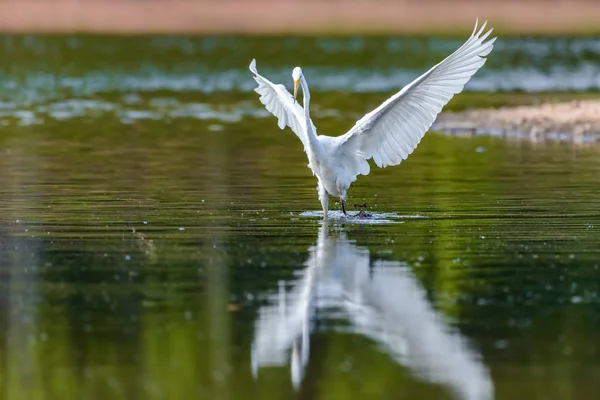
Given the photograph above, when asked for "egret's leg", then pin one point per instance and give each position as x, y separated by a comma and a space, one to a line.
343, 208
324, 198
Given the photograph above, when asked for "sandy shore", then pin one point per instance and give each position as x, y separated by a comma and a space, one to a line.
577, 121
298, 16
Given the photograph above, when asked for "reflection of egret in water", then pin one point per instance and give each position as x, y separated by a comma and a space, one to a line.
382, 301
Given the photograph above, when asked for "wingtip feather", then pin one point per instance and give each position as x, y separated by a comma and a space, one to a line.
486, 35
253, 66
481, 29
475, 28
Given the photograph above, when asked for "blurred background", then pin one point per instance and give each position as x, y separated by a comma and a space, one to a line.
297, 16
161, 237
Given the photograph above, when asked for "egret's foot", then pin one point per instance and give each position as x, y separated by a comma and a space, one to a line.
362, 213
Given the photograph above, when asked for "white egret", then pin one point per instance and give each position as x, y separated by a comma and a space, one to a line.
387, 134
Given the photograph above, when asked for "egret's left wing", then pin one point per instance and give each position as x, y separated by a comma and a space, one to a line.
279, 102
393, 130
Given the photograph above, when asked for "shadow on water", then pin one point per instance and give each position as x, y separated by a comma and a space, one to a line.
381, 300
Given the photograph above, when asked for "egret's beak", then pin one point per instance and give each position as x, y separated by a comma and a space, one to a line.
296, 83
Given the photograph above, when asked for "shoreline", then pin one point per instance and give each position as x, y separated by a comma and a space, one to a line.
574, 121
307, 17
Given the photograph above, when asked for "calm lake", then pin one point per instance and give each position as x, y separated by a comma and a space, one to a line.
160, 236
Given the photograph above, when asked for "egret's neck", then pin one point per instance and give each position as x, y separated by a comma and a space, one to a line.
306, 94
312, 135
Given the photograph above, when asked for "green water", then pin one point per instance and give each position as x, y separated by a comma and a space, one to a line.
162, 242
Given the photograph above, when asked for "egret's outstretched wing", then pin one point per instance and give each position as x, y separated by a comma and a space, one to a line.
392, 131
279, 102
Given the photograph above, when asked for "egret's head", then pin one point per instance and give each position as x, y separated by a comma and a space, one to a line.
296, 75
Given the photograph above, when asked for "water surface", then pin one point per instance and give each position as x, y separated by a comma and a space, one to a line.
160, 242
59, 77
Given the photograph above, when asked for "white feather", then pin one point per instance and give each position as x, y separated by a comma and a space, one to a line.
393, 130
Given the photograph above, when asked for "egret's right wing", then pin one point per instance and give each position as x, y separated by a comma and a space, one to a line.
279, 102
393, 130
